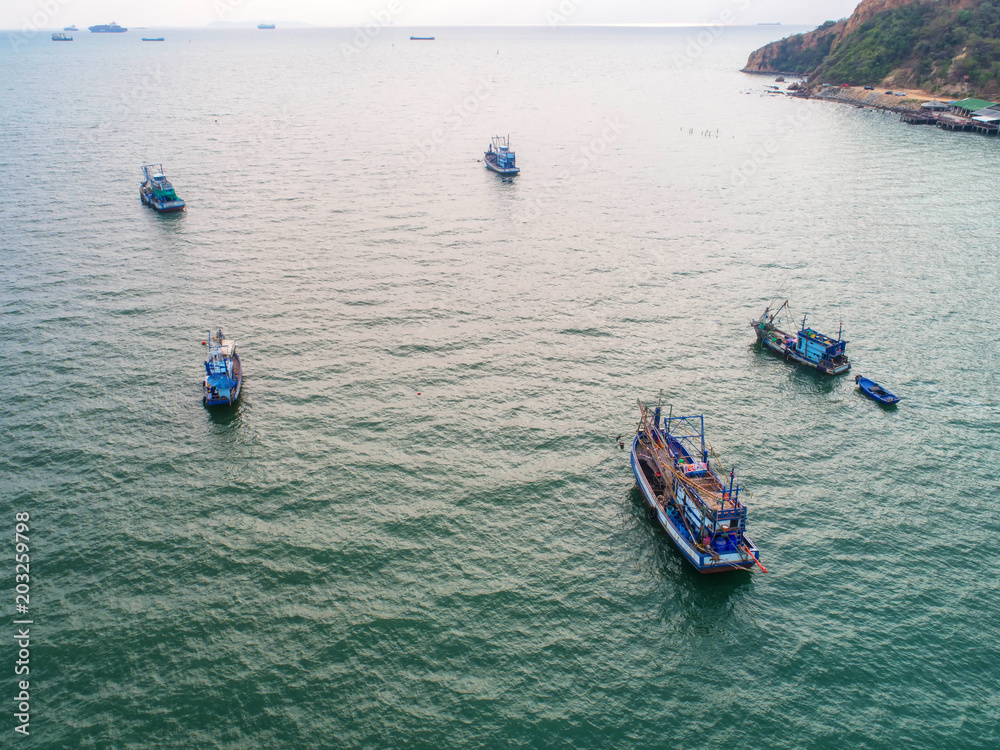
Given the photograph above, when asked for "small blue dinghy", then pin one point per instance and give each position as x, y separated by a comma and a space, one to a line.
876, 392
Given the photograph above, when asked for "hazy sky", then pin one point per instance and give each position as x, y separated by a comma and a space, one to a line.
50, 14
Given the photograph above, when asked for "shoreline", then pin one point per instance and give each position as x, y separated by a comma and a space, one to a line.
908, 105
859, 96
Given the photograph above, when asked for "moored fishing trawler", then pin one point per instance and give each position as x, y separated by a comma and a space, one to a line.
156, 191
499, 157
223, 372
696, 504
808, 347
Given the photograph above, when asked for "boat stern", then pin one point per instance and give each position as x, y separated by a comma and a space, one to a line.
167, 206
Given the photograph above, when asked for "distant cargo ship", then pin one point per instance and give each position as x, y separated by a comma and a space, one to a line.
70, 28
108, 28
61, 37
421, 39
265, 26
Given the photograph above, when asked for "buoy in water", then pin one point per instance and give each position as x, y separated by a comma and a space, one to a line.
204, 343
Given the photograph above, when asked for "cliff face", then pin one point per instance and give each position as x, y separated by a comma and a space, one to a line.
798, 54
796, 49
931, 44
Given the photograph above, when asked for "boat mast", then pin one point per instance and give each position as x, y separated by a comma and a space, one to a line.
776, 312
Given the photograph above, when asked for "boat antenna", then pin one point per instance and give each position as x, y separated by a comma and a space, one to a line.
840, 334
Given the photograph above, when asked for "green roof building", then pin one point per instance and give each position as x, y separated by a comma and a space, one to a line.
966, 107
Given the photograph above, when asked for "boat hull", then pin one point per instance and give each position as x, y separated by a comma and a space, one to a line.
506, 171
791, 355
702, 563
161, 206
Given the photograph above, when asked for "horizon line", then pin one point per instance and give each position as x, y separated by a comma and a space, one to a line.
303, 25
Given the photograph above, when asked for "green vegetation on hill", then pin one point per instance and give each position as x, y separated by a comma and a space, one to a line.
923, 44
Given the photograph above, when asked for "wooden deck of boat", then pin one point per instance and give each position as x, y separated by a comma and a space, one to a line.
709, 488
711, 491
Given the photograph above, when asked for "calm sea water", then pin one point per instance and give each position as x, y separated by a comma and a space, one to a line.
416, 529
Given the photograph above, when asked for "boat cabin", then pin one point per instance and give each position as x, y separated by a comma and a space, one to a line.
159, 186
504, 157
817, 347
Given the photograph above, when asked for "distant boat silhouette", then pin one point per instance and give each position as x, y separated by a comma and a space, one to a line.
107, 28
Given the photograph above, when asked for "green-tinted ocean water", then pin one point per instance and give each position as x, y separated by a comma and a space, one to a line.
416, 529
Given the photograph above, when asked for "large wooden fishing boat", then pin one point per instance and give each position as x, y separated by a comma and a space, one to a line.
808, 348
696, 504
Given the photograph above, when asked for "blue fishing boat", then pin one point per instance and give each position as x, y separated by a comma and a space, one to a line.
876, 392
696, 504
156, 191
499, 157
223, 372
60, 36
808, 347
